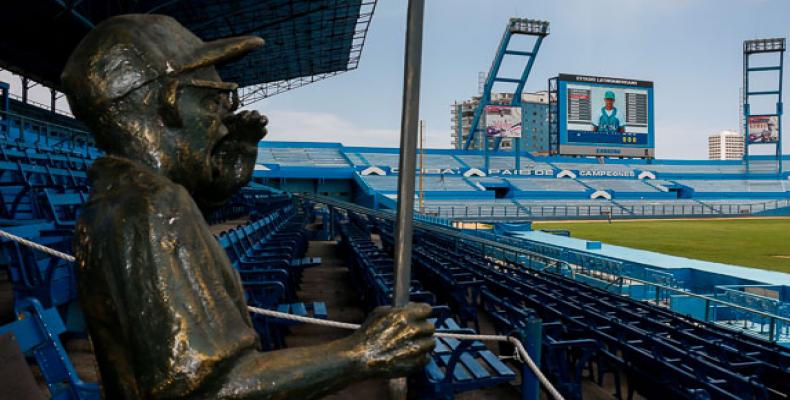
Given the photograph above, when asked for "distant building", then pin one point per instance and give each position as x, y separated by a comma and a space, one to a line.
534, 133
725, 145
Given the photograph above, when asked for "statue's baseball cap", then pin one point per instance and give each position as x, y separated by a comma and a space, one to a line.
126, 52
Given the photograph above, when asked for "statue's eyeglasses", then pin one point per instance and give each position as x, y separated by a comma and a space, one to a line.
230, 89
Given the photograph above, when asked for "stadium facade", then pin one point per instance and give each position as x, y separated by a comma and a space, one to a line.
456, 185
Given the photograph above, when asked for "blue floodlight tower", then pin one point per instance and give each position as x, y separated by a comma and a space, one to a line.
763, 46
516, 26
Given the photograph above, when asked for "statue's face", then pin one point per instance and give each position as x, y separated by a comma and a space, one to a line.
214, 150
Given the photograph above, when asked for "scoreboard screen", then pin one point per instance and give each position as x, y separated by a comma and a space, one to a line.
605, 116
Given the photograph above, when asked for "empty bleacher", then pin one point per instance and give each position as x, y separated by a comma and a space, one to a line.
499, 208
571, 208
455, 366
430, 183
429, 161
691, 168
547, 185
355, 158
736, 186
619, 185
502, 162
593, 332
381, 159
302, 157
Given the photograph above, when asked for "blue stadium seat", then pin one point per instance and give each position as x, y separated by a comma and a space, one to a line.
455, 366
38, 330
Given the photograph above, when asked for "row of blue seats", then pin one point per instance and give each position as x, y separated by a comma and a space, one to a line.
247, 200
45, 156
268, 252
22, 131
453, 286
466, 291
455, 366
566, 356
37, 187
653, 346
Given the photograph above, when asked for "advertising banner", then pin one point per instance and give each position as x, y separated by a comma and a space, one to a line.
503, 121
763, 129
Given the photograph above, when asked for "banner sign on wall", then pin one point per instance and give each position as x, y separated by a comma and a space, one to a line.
764, 129
503, 121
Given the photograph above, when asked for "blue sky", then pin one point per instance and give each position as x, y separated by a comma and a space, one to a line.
691, 49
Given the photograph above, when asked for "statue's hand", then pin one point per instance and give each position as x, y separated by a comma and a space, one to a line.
247, 125
393, 341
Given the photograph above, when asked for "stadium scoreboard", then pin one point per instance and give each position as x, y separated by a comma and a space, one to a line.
600, 116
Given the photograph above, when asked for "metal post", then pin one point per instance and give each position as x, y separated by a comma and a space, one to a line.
408, 149
485, 153
25, 88
779, 111
518, 149
707, 310
422, 152
531, 337
53, 100
332, 223
745, 103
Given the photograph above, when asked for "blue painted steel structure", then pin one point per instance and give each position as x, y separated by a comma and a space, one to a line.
516, 26
554, 115
750, 48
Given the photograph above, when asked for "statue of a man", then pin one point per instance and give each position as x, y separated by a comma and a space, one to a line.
164, 307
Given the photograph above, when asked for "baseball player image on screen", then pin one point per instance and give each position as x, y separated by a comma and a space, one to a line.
609, 116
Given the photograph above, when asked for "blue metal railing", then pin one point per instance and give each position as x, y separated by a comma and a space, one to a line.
602, 211
20, 128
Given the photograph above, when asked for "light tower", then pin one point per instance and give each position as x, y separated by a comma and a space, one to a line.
763, 127
516, 26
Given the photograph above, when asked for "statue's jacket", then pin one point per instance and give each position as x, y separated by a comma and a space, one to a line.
165, 308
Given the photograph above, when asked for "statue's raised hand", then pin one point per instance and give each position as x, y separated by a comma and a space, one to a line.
247, 125
394, 341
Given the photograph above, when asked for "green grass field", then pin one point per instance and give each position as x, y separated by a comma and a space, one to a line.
759, 243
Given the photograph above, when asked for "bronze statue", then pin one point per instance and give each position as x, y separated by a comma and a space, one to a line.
164, 307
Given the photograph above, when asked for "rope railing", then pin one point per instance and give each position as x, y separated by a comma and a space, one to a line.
521, 352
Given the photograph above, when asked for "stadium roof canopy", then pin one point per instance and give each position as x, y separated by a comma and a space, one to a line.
306, 40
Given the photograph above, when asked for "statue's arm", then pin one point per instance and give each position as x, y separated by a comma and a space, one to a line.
391, 343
